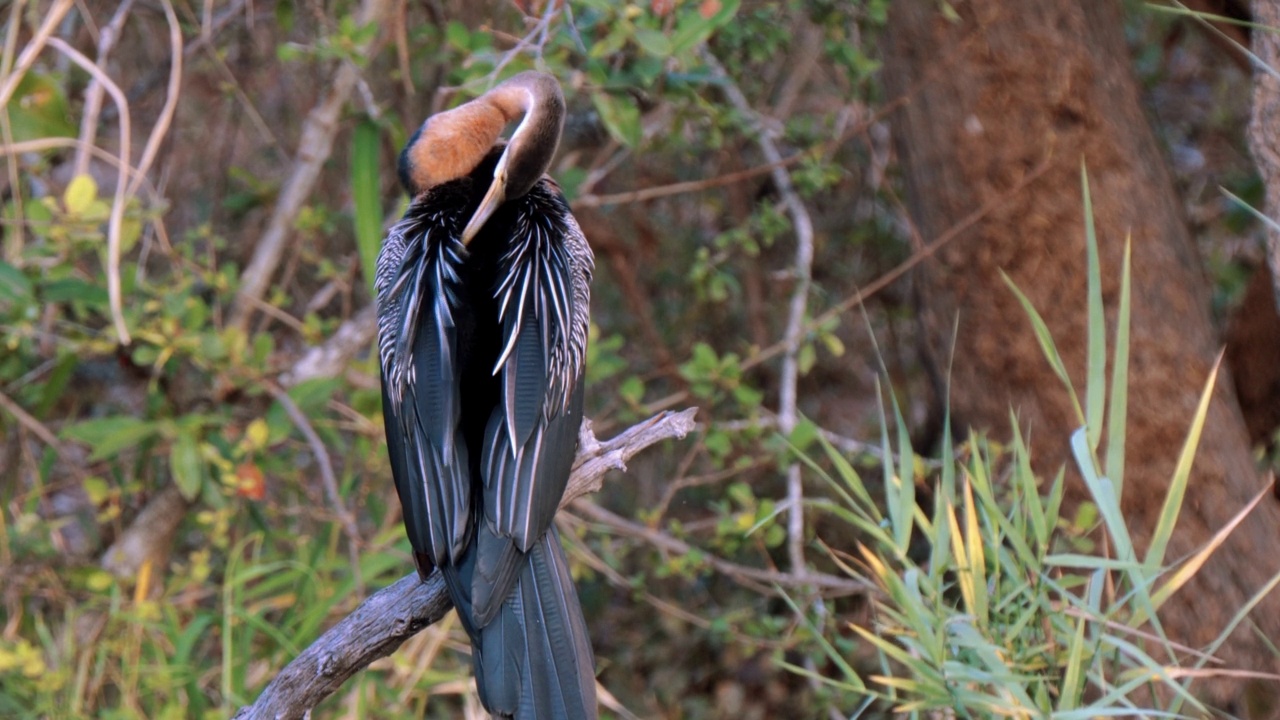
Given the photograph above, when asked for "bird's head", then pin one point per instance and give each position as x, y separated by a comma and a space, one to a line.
450, 145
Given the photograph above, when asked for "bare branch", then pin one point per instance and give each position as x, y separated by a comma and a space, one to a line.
797, 309
332, 357
318, 133
149, 536
161, 128
756, 577
880, 283
373, 630
30, 422
394, 614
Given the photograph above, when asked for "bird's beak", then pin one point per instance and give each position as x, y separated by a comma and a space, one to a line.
492, 199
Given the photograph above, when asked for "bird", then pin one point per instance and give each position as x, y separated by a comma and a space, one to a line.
483, 300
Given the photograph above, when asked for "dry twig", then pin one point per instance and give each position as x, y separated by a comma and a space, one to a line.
161, 128
394, 614
31, 423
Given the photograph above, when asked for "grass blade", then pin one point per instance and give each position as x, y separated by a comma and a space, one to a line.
1119, 408
1181, 473
1096, 372
1047, 346
1195, 562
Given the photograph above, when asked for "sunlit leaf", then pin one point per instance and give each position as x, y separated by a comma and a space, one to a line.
80, 194
186, 466
621, 117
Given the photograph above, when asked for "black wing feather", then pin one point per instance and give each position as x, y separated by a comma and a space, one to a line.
421, 385
525, 381
531, 437
411, 493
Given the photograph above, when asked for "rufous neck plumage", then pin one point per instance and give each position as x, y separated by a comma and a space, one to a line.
450, 145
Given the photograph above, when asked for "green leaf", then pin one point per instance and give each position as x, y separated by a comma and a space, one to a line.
803, 434
834, 344
365, 195
185, 465
612, 42
653, 42
80, 194
905, 493
108, 436
717, 443
806, 358
632, 389
312, 395
458, 36
694, 29
748, 397
55, 386
621, 118
39, 109
96, 489
14, 285
73, 290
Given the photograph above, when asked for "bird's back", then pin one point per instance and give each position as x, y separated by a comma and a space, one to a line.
482, 353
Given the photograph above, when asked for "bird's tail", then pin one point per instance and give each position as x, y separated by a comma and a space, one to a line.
533, 659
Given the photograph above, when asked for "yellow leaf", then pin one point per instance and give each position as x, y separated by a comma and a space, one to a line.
835, 345
99, 581
97, 490
257, 434
80, 194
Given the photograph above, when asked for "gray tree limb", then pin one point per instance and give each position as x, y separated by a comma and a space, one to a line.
396, 613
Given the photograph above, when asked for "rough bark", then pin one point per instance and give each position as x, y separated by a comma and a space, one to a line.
1009, 86
1253, 344
1264, 133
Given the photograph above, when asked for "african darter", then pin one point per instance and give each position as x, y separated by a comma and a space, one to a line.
483, 294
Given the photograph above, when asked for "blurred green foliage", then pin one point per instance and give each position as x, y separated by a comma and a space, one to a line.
688, 310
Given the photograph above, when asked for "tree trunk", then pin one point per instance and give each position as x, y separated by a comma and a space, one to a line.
1253, 344
1008, 87
1264, 135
